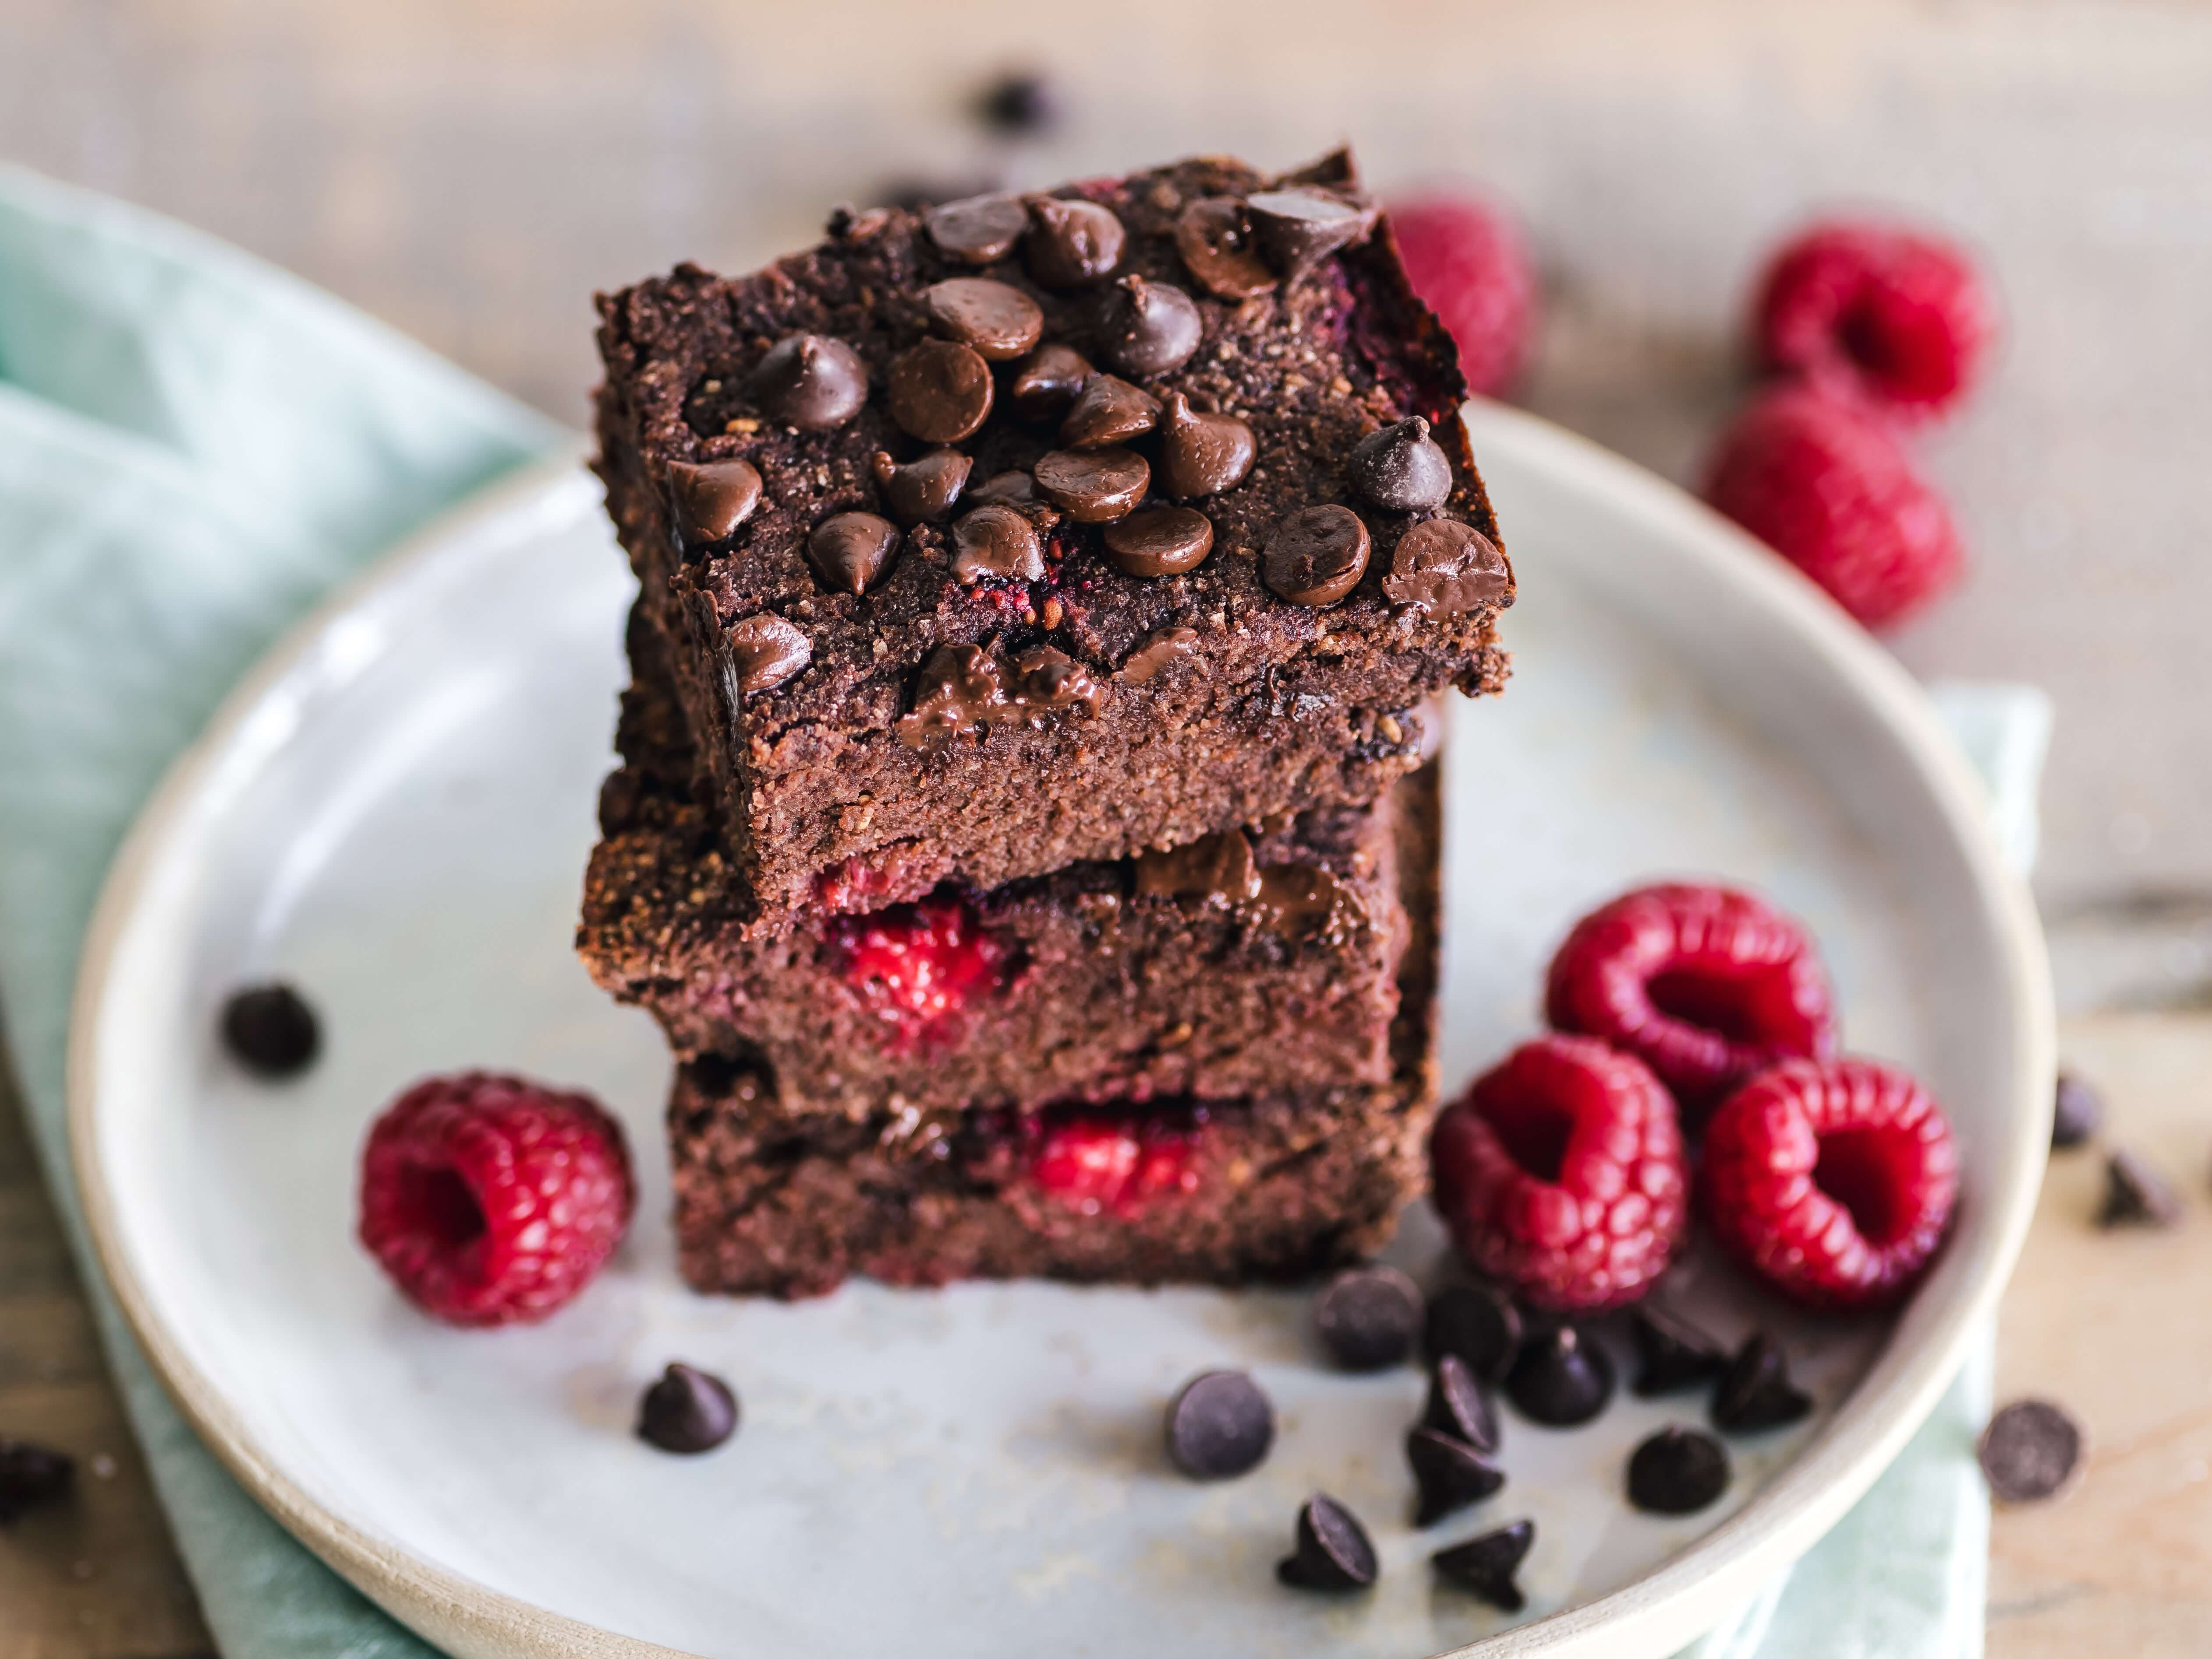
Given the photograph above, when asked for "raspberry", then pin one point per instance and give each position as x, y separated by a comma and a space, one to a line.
1833, 1181
1560, 1172
1828, 487
1466, 261
1706, 985
918, 965
491, 1200
1094, 1163
1898, 320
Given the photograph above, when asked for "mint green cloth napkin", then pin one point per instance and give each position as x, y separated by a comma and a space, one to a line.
193, 449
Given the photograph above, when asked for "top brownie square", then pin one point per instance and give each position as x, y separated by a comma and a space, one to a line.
1022, 530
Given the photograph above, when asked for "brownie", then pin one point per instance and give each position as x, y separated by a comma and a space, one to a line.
1020, 533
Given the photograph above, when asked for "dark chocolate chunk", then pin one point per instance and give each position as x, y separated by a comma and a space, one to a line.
922, 489
959, 690
2136, 1195
1094, 486
1672, 1356
270, 1030
1678, 1471
1218, 868
1449, 1475
1020, 102
1333, 1551
1296, 899
1487, 1566
1402, 468
713, 498
1756, 1392
30, 1476
992, 540
1108, 410
1047, 678
1446, 568
939, 392
1161, 541
1149, 329
1296, 229
688, 1410
995, 320
1200, 453
1071, 243
1005, 490
1367, 1318
811, 381
2029, 1451
1316, 556
2076, 1113
850, 552
765, 651
1217, 249
1481, 1327
1458, 1407
1159, 651
1221, 1424
1048, 382
978, 230
1560, 1377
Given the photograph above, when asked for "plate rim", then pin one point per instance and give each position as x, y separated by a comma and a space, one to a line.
1666, 1607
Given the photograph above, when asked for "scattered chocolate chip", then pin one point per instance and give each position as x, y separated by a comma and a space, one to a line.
1108, 410
1047, 677
1296, 229
1048, 382
1333, 1551
811, 381
1445, 567
1560, 1378
1367, 1318
1023, 101
939, 392
1217, 249
2136, 1195
922, 489
765, 651
1316, 556
1458, 1407
850, 552
1005, 490
992, 540
1477, 1325
1202, 454
1071, 243
2076, 1112
30, 1476
1400, 468
2029, 1451
1678, 1471
1487, 1566
1672, 1356
688, 1410
959, 690
1449, 1475
713, 498
1756, 1392
1160, 650
995, 320
270, 1030
1094, 486
1160, 541
1149, 329
978, 230
1220, 1425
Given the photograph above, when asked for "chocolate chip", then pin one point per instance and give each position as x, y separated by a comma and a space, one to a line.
977, 229
1449, 1475
1071, 243
916, 194
1020, 102
2076, 1113
30, 1476
1400, 468
1160, 541
688, 1410
922, 489
1217, 249
1108, 410
1005, 490
2136, 1195
1316, 556
270, 1030
1367, 1317
1445, 568
1756, 1392
1458, 1407
1218, 868
811, 381
1487, 1566
1161, 650
1202, 454
1296, 229
939, 392
1296, 899
713, 498
1333, 1551
959, 690
1479, 1325
995, 320
1220, 1425
2029, 1451
992, 540
765, 651
1149, 329
850, 552
1048, 382
1094, 486
1672, 1356
1046, 677
1677, 1471
1560, 1378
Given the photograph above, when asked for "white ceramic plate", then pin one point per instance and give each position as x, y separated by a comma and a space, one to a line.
394, 812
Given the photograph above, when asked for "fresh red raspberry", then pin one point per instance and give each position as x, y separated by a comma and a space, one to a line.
918, 965
1832, 1180
1828, 487
1894, 318
1561, 1173
1096, 1164
1706, 985
1466, 261
492, 1199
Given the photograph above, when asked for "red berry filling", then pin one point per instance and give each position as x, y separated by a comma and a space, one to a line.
918, 965
1707, 986
1561, 1173
1097, 1163
1832, 1180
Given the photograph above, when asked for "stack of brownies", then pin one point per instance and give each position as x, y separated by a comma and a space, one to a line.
1024, 833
